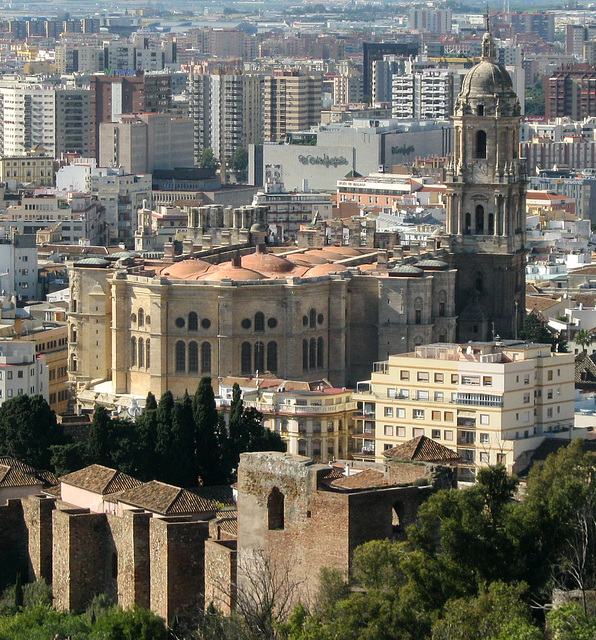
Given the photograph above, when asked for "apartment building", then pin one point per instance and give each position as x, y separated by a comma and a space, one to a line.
22, 371
225, 105
291, 102
27, 118
426, 94
493, 402
32, 170
145, 142
314, 419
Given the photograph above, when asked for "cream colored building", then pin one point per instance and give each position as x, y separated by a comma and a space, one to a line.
493, 402
308, 314
30, 170
314, 419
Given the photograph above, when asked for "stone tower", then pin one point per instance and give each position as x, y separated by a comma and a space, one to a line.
486, 188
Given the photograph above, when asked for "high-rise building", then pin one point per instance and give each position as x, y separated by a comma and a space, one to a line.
430, 20
575, 37
423, 94
541, 23
571, 91
486, 188
27, 118
144, 142
291, 102
73, 121
376, 51
114, 95
226, 109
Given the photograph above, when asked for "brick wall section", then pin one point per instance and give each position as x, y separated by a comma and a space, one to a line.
177, 560
405, 472
37, 514
220, 574
128, 538
79, 557
13, 543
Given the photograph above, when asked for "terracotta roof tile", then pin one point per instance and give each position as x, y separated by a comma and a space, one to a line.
100, 479
541, 303
166, 499
367, 479
222, 495
422, 449
21, 474
12, 477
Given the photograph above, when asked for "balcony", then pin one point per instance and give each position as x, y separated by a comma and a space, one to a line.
478, 399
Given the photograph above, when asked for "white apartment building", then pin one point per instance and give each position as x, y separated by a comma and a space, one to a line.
22, 371
19, 267
313, 418
226, 109
80, 217
425, 94
27, 118
491, 402
121, 195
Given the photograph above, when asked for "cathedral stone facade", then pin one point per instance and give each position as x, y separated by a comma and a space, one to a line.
306, 315
486, 188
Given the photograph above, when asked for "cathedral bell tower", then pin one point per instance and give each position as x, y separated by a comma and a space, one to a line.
486, 190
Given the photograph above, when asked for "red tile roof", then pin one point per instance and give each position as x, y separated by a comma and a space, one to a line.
422, 449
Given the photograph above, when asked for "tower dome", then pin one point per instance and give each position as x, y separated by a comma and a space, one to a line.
487, 89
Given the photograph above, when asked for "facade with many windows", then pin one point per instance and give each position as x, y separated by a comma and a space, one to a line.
305, 315
314, 419
494, 402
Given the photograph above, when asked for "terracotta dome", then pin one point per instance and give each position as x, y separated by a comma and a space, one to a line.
324, 269
268, 263
185, 269
231, 271
313, 256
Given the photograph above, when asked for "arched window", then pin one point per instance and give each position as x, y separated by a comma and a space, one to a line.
480, 220
180, 356
275, 510
491, 224
193, 321
305, 355
481, 144
193, 357
312, 354
259, 356
246, 358
206, 357
312, 317
468, 224
141, 351
397, 514
418, 311
442, 298
259, 321
141, 317
479, 282
133, 352
147, 354
272, 357
320, 353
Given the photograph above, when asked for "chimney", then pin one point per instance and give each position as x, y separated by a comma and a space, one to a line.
261, 248
18, 327
237, 262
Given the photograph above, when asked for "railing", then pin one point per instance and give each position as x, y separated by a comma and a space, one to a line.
478, 399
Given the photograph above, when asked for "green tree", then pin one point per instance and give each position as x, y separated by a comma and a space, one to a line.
28, 429
378, 565
146, 433
534, 330
208, 160
571, 622
207, 428
163, 444
499, 608
98, 443
246, 432
238, 163
583, 338
67, 458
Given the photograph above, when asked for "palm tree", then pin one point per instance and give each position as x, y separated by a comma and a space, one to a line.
583, 338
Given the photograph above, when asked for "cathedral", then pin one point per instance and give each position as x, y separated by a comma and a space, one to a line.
486, 187
140, 324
